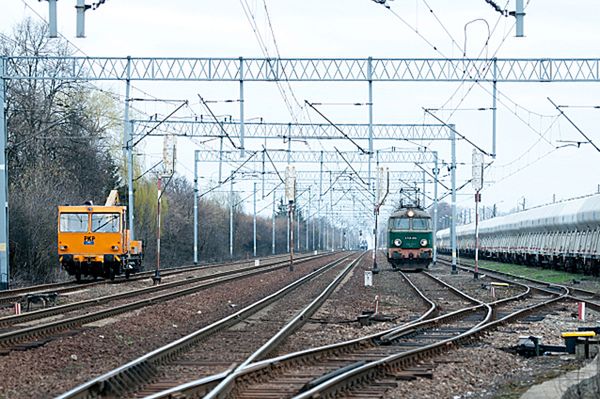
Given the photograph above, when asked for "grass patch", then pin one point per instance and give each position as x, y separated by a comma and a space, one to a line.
547, 275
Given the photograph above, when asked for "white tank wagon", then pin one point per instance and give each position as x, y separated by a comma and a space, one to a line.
563, 235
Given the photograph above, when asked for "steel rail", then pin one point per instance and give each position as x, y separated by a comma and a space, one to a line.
42, 313
201, 387
510, 278
14, 337
364, 374
14, 295
466, 266
387, 338
593, 305
226, 385
496, 275
204, 386
120, 381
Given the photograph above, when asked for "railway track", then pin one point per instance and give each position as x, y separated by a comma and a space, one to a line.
591, 298
289, 373
447, 297
21, 337
138, 373
354, 365
468, 266
11, 296
375, 377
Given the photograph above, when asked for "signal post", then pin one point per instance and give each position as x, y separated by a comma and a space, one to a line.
477, 185
290, 195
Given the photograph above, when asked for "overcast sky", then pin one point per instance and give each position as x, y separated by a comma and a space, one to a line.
528, 164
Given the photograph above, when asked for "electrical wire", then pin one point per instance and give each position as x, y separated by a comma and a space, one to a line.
443, 26
114, 96
264, 49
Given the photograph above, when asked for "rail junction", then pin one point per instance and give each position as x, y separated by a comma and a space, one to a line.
322, 254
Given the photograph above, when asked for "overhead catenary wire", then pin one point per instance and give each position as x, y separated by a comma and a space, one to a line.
332, 184
462, 136
442, 25
465, 73
160, 123
528, 150
264, 49
574, 125
489, 62
336, 127
350, 165
272, 163
218, 122
78, 49
149, 170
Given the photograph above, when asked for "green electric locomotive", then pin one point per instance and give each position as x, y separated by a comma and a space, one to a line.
410, 239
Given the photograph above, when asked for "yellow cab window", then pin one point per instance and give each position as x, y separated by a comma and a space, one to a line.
105, 222
74, 222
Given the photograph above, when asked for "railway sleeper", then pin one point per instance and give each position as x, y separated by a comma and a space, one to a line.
120, 385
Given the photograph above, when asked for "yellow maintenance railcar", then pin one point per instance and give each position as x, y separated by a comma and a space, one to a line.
93, 240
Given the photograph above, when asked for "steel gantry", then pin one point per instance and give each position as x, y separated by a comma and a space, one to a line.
294, 130
314, 69
370, 70
353, 157
308, 178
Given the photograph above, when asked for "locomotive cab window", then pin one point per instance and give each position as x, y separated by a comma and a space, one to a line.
74, 222
400, 224
421, 224
105, 222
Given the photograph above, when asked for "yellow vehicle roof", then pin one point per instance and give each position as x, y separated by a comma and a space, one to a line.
89, 208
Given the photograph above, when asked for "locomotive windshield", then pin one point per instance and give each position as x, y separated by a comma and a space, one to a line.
421, 224
74, 222
399, 224
105, 223
409, 224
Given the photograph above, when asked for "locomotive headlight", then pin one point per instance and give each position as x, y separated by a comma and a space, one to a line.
115, 247
423, 242
410, 213
397, 242
63, 247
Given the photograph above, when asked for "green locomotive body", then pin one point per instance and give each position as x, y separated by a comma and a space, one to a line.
410, 239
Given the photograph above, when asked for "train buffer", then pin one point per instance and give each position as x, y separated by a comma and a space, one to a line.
582, 338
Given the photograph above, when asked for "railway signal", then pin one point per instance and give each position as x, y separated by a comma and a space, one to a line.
379, 200
477, 185
169, 158
290, 195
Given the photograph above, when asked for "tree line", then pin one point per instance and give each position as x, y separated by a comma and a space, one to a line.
64, 146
